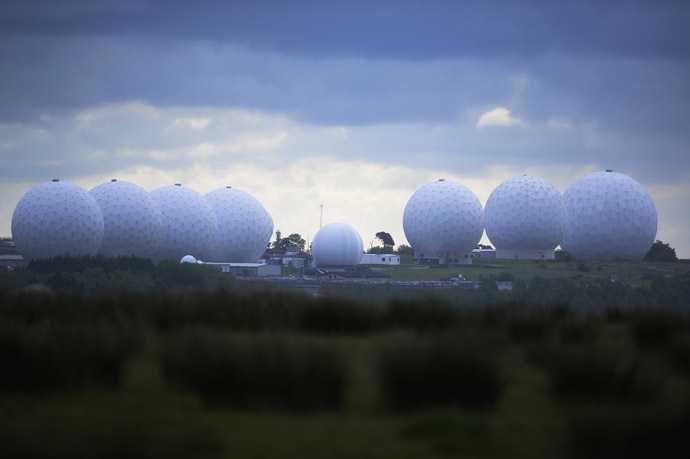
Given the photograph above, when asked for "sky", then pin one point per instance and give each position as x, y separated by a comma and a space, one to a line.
353, 105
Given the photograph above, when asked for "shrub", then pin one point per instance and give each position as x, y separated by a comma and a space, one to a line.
256, 372
54, 356
450, 370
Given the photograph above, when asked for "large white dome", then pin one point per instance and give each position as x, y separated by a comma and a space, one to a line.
610, 216
57, 218
444, 219
337, 244
244, 226
189, 224
132, 221
525, 217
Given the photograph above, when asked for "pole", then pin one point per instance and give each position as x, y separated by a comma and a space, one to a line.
321, 217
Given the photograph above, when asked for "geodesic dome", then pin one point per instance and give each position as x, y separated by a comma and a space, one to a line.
57, 219
132, 221
188, 223
244, 226
609, 216
337, 244
525, 213
443, 216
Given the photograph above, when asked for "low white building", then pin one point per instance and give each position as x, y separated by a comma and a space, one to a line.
380, 259
247, 269
484, 253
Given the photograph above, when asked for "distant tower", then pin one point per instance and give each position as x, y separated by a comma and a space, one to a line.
321, 217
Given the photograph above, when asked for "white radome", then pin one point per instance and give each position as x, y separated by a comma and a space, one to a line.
244, 226
610, 216
524, 218
57, 219
188, 223
337, 244
444, 219
188, 259
132, 221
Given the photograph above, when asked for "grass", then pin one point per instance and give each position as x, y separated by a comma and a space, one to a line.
279, 374
633, 273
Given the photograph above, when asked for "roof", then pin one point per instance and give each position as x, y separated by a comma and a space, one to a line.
237, 265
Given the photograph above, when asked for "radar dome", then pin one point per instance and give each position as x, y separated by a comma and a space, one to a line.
610, 216
57, 219
188, 223
337, 244
244, 226
443, 220
132, 221
524, 218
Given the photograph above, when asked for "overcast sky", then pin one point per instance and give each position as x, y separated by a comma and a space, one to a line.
353, 105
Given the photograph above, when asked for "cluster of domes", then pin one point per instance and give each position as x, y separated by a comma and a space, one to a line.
604, 215
121, 219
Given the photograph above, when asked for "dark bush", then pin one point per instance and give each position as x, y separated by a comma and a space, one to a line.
256, 372
53, 356
630, 431
443, 371
600, 372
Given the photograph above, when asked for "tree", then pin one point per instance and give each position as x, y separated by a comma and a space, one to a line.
386, 239
286, 242
661, 252
404, 249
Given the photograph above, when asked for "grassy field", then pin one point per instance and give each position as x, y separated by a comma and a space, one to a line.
633, 273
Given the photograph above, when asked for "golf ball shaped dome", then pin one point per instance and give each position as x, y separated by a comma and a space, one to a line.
523, 215
609, 216
188, 223
337, 244
244, 226
443, 216
132, 221
57, 219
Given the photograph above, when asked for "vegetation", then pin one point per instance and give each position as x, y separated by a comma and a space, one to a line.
404, 249
197, 364
661, 252
386, 239
284, 243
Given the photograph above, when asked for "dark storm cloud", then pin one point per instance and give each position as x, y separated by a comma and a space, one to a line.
383, 29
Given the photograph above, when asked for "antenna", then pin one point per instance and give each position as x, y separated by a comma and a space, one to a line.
321, 217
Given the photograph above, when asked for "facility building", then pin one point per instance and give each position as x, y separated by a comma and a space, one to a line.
380, 259
247, 269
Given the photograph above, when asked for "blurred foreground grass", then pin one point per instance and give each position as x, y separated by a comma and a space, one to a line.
212, 374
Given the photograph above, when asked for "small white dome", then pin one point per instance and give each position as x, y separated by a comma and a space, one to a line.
132, 221
610, 216
337, 244
57, 219
525, 213
188, 222
188, 259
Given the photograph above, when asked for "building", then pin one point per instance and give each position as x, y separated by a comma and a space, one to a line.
380, 259
484, 253
247, 269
